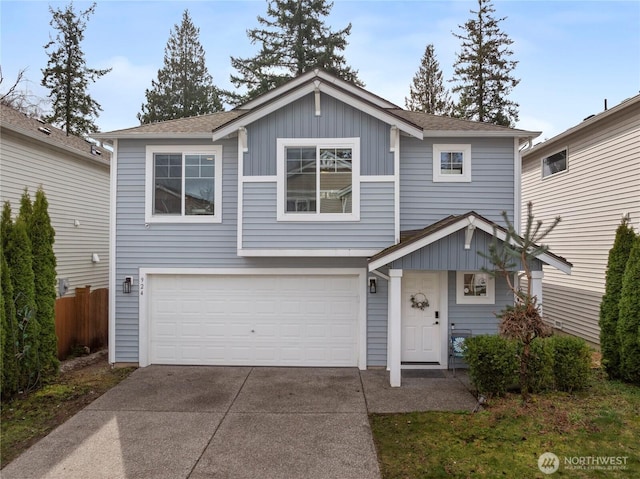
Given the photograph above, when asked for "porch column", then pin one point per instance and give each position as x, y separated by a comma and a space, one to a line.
536, 286
394, 325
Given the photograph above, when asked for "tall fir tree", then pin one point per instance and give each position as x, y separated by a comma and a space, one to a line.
10, 369
629, 322
293, 39
427, 92
483, 71
610, 305
42, 237
184, 86
67, 76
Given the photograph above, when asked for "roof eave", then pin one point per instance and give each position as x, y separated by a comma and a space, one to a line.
522, 134
153, 136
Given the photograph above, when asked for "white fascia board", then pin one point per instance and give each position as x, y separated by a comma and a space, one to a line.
198, 135
306, 253
523, 135
251, 271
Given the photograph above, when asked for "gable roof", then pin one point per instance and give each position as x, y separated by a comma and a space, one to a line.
17, 122
223, 124
417, 239
628, 104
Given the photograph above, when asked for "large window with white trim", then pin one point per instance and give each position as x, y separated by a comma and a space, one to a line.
318, 179
183, 184
451, 163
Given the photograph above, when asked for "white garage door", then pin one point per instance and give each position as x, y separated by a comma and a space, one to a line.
262, 320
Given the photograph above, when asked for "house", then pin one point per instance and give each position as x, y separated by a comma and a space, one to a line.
590, 177
284, 248
74, 174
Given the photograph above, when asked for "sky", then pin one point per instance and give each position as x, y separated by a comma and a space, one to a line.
572, 55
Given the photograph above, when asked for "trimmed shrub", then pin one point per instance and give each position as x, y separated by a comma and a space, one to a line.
493, 363
540, 365
571, 363
609, 308
9, 324
629, 320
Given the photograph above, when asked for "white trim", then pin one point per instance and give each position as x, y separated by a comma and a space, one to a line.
240, 212
522, 135
444, 319
112, 251
394, 325
465, 149
150, 150
395, 147
517, 186
490, 298
258, 179
144, 273
313, 253
452, 228
354, 144
377, 179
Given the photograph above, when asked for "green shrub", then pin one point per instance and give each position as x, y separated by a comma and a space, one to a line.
540, 365
493, 363
571, 363
629, 320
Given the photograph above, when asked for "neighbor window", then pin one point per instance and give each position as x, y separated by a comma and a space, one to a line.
451, 163
183, 184
474, 287
318, 179
554, 164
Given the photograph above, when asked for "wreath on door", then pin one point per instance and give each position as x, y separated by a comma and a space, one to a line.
419, 301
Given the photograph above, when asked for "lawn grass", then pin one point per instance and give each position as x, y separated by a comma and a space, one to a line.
27, 418
506, 439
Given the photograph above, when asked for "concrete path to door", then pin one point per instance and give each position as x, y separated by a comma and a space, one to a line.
233, 422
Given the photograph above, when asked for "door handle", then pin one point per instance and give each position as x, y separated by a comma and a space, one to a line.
437, 322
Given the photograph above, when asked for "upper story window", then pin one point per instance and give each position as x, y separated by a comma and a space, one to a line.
451, 163
318, 179
183, 184
555, 163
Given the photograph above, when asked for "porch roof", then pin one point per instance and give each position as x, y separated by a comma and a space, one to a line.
413, 240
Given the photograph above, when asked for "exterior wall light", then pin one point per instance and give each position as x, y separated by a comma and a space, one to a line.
126, 286
373, 285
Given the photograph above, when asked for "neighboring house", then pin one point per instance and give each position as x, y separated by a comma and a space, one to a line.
74, 174
269, 234
590, 177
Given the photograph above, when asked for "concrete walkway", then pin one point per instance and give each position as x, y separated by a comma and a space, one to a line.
233, 422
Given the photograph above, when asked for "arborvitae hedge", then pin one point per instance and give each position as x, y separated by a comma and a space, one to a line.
44, 269
629, 320
609, 308
8, 323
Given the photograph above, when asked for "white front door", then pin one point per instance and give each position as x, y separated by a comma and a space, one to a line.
420, 326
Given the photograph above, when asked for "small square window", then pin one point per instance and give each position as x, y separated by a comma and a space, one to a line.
475, 287
451, 163
555, 163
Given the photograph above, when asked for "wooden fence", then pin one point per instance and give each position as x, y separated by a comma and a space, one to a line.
82, 320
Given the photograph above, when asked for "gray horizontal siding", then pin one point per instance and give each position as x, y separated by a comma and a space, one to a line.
377, 313
449, 254
491, 190
261, 230
337, 120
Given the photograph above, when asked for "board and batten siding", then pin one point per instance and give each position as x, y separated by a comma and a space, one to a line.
490, 192
336, 120
375, 229
179, 245
601, 184
77, 189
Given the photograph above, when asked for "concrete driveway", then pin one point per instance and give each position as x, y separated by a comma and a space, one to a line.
232, 422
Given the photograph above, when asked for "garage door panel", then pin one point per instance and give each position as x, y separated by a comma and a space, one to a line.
254, 320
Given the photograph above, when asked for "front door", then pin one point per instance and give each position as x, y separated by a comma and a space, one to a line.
420, 326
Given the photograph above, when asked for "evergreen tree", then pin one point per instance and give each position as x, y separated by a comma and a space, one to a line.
8, 322
427, 92
629, 322
5, 224
184, 86
293, 39
610, 305
20, 262
67, 76
26, 207
483, 71
42, 237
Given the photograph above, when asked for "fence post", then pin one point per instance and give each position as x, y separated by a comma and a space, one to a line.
83, 315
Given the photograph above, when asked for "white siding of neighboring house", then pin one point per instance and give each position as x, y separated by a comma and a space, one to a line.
77, 189
601, 184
